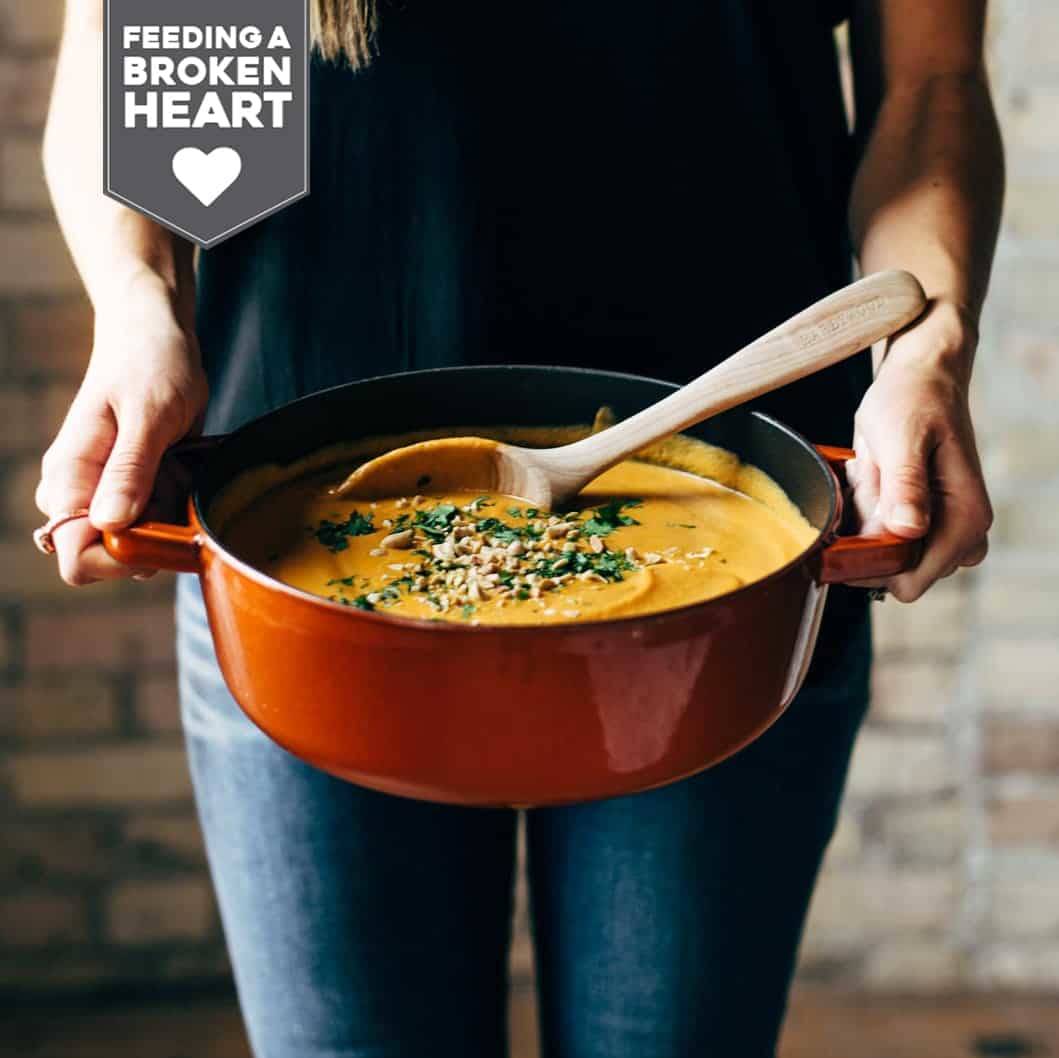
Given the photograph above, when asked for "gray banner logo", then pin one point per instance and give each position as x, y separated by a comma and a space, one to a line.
206, 111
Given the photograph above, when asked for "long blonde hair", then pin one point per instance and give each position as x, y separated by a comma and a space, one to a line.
345, 28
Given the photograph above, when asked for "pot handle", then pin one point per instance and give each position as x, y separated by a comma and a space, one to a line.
156, 545
161, 545
852, 558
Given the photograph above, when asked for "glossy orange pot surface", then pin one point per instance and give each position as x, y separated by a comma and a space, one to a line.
512, 715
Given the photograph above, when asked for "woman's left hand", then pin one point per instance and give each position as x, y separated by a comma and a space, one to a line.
917, 471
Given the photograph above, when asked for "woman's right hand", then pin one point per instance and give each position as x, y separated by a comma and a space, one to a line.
144, 390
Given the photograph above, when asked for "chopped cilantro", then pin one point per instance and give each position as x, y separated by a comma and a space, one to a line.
467, 610
609, 517
334, 535
436, 522
515, 512
609, 565
361, 603
500, 531
503, 533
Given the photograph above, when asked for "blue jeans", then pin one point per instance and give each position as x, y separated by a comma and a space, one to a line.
362, 925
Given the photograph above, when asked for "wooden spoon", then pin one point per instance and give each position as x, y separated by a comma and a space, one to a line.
834, 328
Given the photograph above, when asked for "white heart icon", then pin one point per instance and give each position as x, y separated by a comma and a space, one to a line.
207, 176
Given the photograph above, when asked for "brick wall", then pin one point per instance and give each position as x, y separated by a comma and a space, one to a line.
102, 874
945, 869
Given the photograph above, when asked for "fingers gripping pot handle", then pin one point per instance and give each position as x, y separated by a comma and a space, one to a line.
162, 545
869, 557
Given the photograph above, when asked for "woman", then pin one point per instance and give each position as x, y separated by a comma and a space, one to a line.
576, 186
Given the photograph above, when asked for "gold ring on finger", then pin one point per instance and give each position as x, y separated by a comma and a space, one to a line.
42, 537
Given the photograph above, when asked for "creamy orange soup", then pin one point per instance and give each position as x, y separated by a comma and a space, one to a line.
650, 534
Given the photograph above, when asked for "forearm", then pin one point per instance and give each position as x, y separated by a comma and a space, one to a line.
122, 256
927, 194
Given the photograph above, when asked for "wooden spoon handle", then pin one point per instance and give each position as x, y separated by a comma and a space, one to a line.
834, 328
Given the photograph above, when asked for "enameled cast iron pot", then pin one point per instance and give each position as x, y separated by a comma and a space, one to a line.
510, 715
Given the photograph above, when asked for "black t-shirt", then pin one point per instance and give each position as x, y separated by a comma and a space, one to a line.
638, 187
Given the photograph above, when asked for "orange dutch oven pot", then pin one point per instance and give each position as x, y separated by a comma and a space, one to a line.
510, 715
